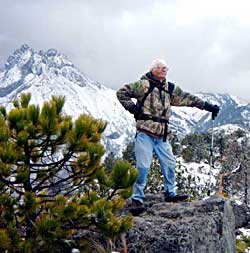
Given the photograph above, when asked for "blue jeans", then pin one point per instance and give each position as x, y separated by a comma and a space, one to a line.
145, 145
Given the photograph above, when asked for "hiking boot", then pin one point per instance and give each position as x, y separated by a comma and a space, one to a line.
136, 207
136, 203
178, 197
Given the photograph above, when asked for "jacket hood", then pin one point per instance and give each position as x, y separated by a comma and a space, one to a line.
150, 77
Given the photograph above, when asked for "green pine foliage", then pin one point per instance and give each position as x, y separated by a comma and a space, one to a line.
129, 153
243, 244
231, 155
52, 184
155, 178
189, 183
109, 161
196, 147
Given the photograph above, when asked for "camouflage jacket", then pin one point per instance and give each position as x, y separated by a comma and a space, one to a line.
157, 103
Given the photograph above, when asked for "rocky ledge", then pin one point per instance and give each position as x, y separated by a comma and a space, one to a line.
206, 226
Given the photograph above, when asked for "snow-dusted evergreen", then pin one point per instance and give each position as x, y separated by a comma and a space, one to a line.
50, 73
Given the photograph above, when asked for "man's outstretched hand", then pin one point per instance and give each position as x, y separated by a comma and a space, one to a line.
214, 109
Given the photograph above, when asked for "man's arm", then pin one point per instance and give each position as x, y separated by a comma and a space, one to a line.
181, 98
128, 91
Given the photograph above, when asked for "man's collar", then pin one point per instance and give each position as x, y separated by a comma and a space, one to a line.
152, 78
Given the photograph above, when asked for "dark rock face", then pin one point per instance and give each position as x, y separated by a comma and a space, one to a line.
187, 227
242, 215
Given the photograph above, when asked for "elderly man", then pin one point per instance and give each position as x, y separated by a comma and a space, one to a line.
155, 96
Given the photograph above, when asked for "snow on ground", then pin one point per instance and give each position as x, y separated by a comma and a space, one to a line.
228, 128
245, 231
200, 171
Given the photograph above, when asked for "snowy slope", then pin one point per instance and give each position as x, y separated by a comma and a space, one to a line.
233, 110
199, 171
44, 74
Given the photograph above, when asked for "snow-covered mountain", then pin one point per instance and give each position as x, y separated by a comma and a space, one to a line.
44, 74
234, 111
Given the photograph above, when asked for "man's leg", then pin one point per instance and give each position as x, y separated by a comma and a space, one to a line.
143, 154
168, 164
165, 155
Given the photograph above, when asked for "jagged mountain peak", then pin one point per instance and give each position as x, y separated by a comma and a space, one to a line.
19, 57
221, 98
47, 73
25, 54
27, 64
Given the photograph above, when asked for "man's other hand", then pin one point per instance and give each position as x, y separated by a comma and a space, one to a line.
214, 109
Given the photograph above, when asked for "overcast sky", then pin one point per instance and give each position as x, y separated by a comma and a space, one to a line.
204, 42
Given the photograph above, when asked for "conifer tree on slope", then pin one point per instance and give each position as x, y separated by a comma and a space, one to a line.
49, 170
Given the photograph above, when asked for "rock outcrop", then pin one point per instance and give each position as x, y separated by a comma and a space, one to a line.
242, 217
206, 226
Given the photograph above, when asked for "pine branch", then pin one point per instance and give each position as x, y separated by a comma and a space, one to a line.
56, 183
63, 161
64, 180
11, 184
74, 225
52, 196
112, 194
75, 188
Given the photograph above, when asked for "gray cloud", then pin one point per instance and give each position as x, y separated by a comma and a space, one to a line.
114, 42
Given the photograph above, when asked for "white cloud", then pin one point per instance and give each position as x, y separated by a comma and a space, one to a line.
192, 11
204, 42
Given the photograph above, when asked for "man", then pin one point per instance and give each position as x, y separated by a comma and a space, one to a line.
155, 96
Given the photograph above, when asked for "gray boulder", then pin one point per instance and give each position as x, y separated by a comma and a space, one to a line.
242, 215
206, 226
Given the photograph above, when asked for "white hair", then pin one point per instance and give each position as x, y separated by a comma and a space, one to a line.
158, 62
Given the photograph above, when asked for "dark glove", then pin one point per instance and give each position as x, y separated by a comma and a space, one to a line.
135, 110
214, 109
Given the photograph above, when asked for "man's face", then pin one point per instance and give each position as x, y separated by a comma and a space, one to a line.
160, 72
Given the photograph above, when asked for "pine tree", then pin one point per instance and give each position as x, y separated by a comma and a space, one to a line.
155, 177
129, 153
109, 161
196, 147
175, 144
49, 172
236, 161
